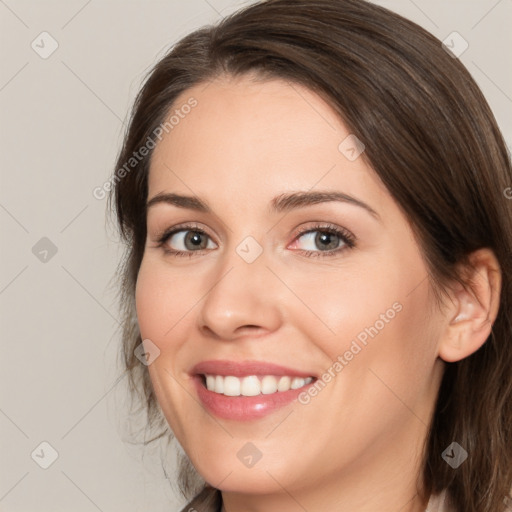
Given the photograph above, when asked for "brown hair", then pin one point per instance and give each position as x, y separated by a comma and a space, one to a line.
434, 142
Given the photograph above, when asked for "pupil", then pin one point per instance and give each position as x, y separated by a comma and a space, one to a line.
325, 238
195, 239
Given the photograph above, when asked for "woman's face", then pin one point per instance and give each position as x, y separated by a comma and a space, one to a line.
331, 289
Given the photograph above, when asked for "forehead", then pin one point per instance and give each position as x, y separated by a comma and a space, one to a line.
253, 136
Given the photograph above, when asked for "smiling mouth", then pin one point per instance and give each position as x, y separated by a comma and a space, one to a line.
252, 385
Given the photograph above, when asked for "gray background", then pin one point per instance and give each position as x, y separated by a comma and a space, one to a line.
61, 125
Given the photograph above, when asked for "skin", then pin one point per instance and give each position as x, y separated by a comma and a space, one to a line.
358, 444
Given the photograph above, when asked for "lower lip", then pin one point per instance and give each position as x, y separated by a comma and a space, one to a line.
244, 408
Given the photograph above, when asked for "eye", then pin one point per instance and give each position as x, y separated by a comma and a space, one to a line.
330, 239
185, 240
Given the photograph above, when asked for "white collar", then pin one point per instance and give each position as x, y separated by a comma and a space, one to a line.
436, 503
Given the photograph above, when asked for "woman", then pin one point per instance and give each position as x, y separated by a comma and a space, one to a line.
318, 276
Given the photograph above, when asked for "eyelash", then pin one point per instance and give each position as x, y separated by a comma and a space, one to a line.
346, 237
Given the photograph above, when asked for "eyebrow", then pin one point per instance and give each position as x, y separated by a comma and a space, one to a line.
280, 203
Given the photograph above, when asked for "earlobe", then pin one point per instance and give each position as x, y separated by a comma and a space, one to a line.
473, 311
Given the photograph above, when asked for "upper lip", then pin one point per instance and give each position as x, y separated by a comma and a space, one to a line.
245, 368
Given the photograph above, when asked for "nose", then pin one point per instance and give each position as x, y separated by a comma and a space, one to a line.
241, 299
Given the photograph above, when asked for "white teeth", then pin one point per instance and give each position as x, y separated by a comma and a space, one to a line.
219, 384
253, 385
268, 385
297, 382
231, 386
284, 384
210, 382
250, 386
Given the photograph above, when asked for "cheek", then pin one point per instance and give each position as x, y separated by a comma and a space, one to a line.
147, 289
397, 360
161, 301
162, 315
379, 321
345, 304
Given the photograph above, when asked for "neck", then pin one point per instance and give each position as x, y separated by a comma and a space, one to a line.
288, 502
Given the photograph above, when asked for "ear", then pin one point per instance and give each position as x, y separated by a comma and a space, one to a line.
473, 311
